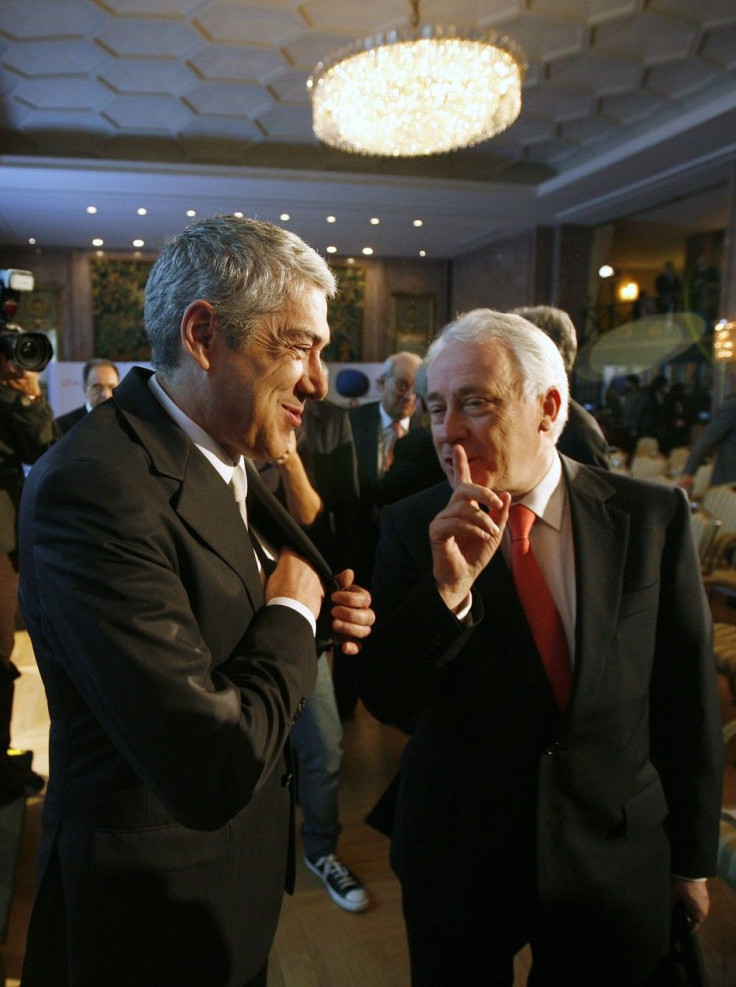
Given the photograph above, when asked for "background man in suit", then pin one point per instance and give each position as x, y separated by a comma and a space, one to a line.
174, 661
582, 438
546, 796
99, 377
377, 426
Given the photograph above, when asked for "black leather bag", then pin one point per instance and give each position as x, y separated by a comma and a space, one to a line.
684, 966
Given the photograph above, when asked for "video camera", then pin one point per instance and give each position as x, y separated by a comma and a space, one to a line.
27, 350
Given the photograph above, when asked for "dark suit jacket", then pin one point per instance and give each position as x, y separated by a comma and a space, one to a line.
416, 466
582, 438
325, 445
503, 802
68, 420
365, 420
172, 690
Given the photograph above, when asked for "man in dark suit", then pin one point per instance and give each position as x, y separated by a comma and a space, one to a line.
175, 655
377, 426
99, 378
582, 438
562, 799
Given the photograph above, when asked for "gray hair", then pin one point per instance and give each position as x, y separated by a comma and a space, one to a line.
243, 267
389, 364
558, 325
534, 357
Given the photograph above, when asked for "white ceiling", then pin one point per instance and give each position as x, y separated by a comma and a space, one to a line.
629, 112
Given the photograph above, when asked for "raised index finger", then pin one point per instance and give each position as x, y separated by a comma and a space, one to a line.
460, 465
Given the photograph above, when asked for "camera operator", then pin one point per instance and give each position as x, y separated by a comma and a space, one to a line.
27, 430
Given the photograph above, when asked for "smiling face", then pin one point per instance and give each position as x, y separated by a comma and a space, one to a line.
475, 400
253, 397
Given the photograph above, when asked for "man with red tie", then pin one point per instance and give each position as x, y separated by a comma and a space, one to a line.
562, 787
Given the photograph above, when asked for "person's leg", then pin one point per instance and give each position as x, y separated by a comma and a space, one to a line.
446, 950
317, 739
16, 776
11, 785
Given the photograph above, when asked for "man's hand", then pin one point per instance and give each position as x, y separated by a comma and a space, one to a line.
294, 578
352, 616
465, 535
695, 896
23, 381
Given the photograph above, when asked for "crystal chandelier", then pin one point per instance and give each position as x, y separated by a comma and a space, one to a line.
417, 91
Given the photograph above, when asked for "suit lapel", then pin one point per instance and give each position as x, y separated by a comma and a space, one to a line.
198, 495
278, 526
601, 543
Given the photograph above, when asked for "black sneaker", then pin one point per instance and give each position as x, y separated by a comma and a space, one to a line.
342, 885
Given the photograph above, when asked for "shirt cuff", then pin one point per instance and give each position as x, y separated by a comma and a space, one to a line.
286, 601
465, 607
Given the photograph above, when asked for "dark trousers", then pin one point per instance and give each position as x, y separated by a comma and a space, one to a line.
446, 950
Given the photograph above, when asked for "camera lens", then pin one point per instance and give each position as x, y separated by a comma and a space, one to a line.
32, 351
27, 350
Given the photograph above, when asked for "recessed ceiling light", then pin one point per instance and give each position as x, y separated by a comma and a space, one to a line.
97, 242
422, 253
191, 213
142, 211
374, 221
350, 260
31, 240
367, 251
331, 250
91, 210
284, 217
238, 215
99, 253
139, 243
331, 219
418, 222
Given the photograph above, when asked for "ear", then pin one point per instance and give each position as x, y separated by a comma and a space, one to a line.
380, 383
551, 404
198, 332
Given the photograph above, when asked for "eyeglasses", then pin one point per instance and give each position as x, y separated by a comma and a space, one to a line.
403, 386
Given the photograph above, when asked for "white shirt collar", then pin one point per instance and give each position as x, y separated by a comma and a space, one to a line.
209, 448
547, 499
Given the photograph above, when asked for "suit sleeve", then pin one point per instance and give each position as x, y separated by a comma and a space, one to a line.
110, 588
685, 727
714, 432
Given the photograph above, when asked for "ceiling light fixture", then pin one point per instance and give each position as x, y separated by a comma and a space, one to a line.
426, 89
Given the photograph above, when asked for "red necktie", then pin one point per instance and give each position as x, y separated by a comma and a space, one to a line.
541, 613
399, 432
